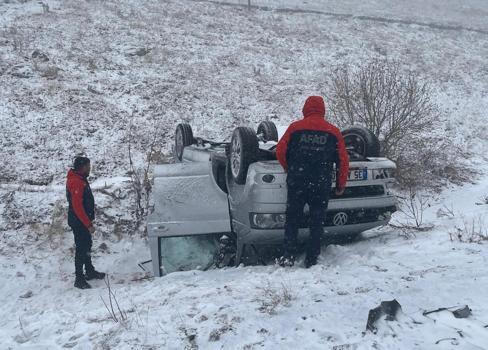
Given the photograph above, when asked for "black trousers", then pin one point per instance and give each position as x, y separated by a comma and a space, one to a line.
317, 198
83, 242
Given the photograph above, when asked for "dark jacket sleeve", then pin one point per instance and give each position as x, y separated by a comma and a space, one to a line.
342, 163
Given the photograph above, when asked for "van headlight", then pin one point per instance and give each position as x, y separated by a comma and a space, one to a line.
385, 216
267, 221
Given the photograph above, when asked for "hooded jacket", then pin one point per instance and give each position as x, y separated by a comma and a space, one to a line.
80, 199
310, 146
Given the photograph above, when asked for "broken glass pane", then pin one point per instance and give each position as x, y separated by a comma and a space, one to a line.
188, 252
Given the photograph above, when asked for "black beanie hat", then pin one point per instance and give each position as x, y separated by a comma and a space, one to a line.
80, 162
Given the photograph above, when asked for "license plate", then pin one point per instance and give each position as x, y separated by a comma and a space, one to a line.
355, 175
358, 175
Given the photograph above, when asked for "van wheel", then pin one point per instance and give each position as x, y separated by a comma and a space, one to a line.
268, 131
244, 149
183, 138
362, 141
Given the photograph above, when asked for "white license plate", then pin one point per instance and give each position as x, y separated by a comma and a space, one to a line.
355, 175
358, 175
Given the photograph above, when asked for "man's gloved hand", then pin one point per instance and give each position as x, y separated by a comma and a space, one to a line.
91, 229
339, 191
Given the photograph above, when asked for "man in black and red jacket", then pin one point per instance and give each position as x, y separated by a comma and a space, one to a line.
81, 214
307, 151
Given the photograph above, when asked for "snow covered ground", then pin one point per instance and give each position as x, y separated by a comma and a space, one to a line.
259, 307
121, 70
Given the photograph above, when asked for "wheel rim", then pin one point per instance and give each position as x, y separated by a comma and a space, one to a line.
235, 156
357, 143
179, 143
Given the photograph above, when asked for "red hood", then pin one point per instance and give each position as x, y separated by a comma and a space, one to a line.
314, 107
74, 174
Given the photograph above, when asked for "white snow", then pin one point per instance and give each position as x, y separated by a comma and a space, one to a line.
218, 66
327, 305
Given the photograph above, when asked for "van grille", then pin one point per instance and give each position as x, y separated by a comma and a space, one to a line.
360, 192
354, 216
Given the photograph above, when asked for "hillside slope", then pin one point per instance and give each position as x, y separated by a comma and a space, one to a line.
132, 69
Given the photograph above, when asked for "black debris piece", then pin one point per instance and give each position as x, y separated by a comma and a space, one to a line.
458, 312
389, 309
463, 312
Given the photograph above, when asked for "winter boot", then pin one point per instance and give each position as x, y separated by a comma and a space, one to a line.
94, 275
310, 261
81, 283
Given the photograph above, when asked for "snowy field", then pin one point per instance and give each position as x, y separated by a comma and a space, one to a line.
257, 307
88, 76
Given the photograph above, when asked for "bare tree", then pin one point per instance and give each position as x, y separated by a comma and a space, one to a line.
392, 103
141, 181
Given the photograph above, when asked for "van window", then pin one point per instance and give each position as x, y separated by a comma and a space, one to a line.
188, 252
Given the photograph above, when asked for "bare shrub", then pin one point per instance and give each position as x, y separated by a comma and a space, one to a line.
58, 218
483, 200
413, 206
273, 297
56, 227
430, 162
398, 107
380, 96
116, 314
11, 213
471, 231
15, 214
446, 211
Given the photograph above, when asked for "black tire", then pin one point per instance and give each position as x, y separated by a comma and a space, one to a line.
268, 130
244, 149
362, 141
183, 138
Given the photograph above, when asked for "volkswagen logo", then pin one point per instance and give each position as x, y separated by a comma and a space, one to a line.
340, 219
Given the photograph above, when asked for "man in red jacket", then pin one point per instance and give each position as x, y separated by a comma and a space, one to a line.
307, 151
81, 214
